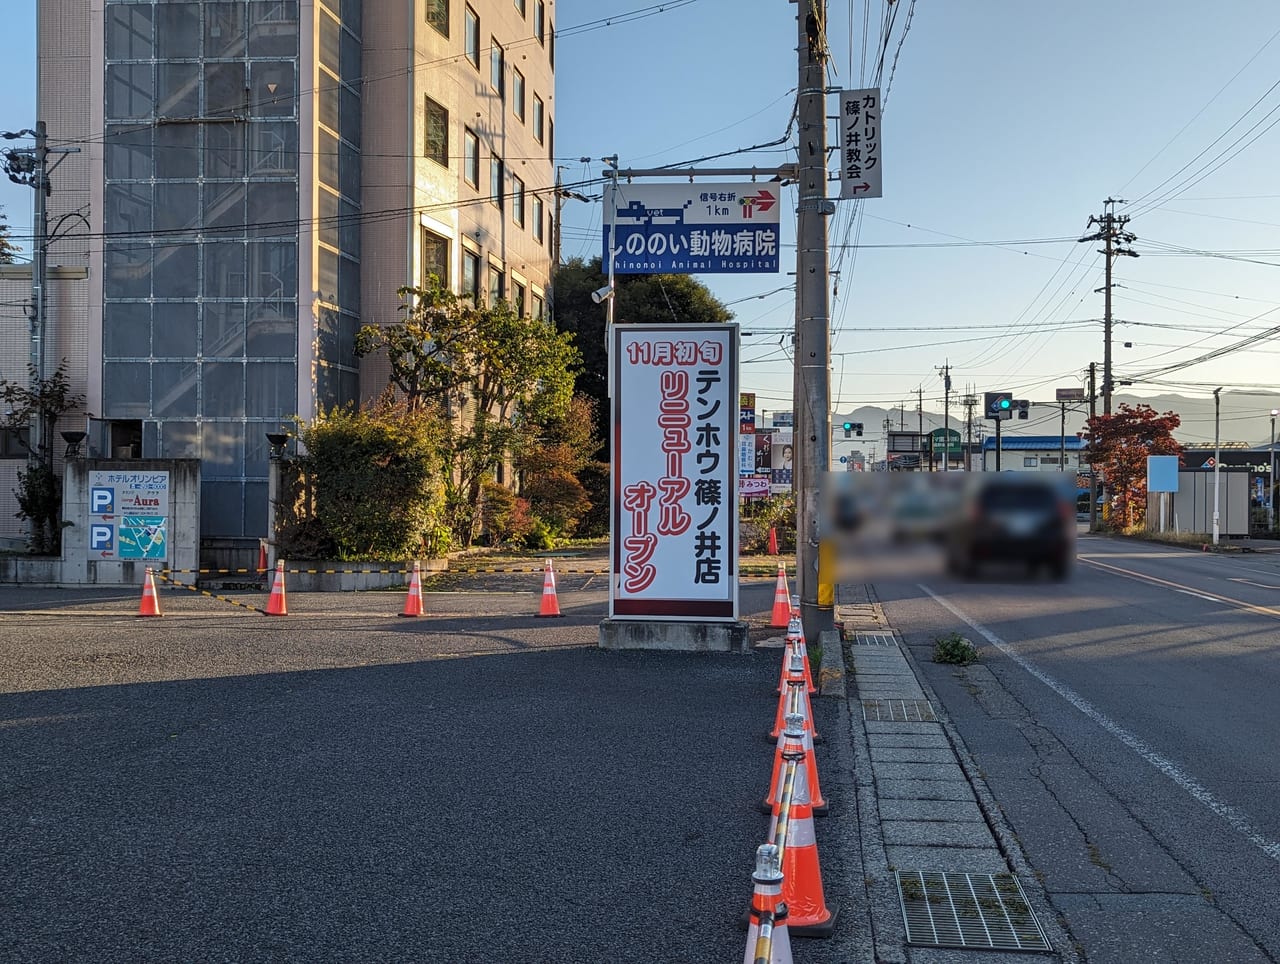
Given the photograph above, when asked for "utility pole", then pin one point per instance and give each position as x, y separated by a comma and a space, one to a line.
970, 402
945, 372
813, 328
1062, 448
1217, 458
902, 416
1111, 232
1093, 470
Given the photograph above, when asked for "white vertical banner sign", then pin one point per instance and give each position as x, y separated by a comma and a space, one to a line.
860, 165
674, 519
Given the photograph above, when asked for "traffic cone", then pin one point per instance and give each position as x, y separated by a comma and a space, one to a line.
767, 939
277, 605
550, 604
262, 555
413, 601
773, 540
150, 600
804, 706
807, 912
795, 739
781, 602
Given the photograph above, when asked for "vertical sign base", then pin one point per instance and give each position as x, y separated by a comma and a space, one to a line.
681, 636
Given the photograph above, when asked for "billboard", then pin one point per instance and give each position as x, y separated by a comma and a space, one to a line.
695, 228
129, 515
859, 151
674, 516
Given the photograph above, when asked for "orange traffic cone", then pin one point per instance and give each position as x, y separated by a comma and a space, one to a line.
773, 540
781, 602
413, 601
795, 740
767, 939
277, 605
550, 604
262, 555
807, 911
794, 693
150, 601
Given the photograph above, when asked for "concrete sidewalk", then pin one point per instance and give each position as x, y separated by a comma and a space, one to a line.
924, 815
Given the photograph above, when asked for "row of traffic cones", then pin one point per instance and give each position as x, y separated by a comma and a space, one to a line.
278, 604
788, 897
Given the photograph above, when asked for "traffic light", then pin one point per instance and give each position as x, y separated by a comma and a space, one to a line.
848, 429
1024, 408
852, 428
998, 405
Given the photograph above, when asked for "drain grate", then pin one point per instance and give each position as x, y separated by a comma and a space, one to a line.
898, 711
874, 639
968, 910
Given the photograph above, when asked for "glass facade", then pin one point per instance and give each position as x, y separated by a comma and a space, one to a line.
202, 223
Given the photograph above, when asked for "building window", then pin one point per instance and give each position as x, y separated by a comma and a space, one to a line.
522, 7
496, 285
471, 156
551, 47
495, 180
517, 298
438, 15
517, 200
435, 257
472, 40
539, 308
540, 21
539, 118
538, 215
517, 94
437, 133
13, 442
551, 139
497, 67
1030, 462
471, 275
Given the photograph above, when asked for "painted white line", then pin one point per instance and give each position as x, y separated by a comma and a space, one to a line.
1250, 582
1188, 592
1234, 817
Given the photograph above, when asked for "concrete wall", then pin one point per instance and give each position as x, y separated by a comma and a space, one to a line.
78, 568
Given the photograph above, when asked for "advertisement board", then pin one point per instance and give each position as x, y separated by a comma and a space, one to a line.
129, 515
674, 519
698, 228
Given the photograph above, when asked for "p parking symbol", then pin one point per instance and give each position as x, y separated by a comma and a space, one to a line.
102, 500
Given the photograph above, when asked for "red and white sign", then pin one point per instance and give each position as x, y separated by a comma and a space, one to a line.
674, 522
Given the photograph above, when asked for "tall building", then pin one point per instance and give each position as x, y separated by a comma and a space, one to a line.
258, 178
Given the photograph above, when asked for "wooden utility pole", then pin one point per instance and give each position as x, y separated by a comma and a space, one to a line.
1111, 232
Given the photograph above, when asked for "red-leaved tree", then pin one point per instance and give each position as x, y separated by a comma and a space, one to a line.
1118, 447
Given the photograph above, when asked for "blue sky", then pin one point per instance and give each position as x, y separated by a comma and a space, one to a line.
1005, 120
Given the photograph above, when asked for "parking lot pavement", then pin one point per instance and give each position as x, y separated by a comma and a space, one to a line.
340, 785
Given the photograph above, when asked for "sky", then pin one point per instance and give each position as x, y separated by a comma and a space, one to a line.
1004, 121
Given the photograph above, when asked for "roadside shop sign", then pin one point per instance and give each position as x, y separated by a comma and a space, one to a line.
129, 515
674, 522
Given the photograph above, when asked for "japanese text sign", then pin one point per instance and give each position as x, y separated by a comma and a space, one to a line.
859, 148
129, 515
694, 228
674, 521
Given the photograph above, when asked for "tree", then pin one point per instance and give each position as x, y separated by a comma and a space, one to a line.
640, 299
8, 250
39, 402
500, 377
1118, 448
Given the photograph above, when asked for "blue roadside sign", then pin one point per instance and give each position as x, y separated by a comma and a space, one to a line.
697, 228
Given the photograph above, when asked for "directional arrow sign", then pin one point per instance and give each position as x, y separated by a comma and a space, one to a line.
761, 201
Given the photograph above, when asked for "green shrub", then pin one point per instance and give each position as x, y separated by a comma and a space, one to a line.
594, 477
954, 648
558, 499
539, 538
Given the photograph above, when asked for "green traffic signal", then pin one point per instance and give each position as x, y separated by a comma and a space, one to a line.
848, 426
1005, 403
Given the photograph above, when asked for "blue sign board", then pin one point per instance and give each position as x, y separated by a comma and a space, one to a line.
694, 228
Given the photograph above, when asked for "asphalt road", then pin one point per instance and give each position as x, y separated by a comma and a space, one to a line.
478, 785
1125, 722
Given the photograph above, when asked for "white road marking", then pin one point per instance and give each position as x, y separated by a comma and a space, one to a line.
1234, 817
1250, 582
1188, 592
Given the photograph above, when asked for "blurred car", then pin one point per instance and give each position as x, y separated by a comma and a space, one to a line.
1014, 518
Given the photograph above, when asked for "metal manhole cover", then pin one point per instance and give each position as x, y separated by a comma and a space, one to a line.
874, 639
968, 910
898, 711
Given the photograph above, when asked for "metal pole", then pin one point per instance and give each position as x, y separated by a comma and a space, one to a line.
998, 423
813, 336
946, 417
39, 282
1062, 448
1271, 479
1217, 459
1093, 472
1107, 232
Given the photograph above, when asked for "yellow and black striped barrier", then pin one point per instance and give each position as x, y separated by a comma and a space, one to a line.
452, 570
203, 592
